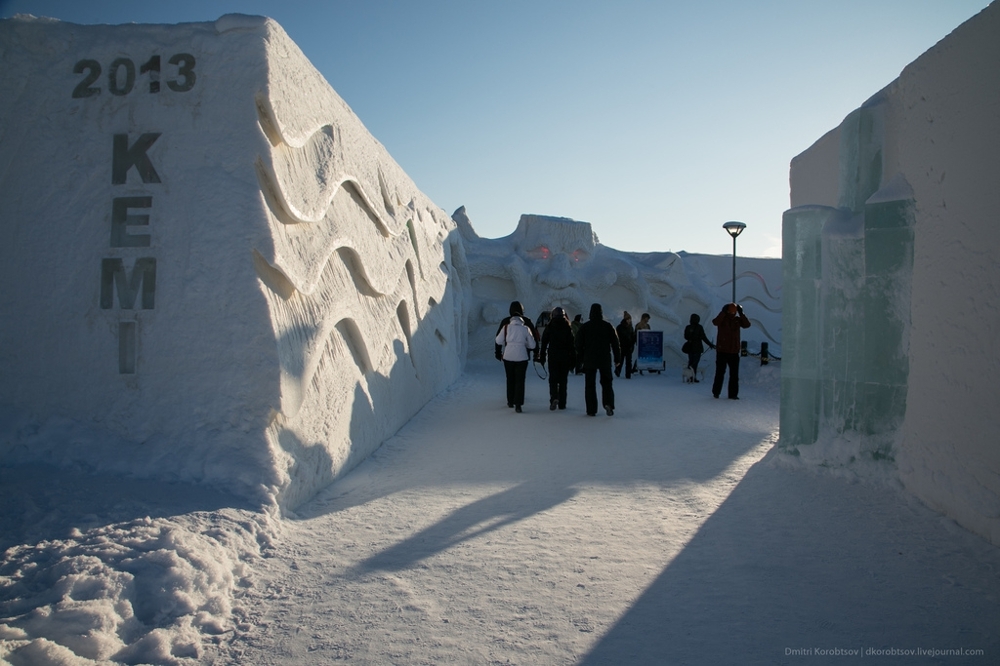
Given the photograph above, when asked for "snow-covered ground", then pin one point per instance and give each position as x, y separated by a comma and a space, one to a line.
671, 532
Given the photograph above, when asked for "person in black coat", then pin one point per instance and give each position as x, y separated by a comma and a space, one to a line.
626, 337
559, 349
598, 348
694, 335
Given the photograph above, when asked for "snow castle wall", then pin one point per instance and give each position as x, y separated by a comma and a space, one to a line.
891, 282
211, 264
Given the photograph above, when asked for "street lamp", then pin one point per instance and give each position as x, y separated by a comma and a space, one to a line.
734, 229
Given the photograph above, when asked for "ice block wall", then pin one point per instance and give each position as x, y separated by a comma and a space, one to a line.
890, 308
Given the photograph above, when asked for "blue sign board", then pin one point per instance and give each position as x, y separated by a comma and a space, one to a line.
649, 345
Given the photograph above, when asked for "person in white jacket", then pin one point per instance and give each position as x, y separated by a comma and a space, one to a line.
517, 341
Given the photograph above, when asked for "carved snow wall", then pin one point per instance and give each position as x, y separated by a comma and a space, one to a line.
210, 262
891, 282
556, 261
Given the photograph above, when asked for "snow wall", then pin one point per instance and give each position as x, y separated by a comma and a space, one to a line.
211, 265
892, 284
549, 261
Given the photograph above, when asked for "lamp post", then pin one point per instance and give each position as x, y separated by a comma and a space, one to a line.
734, 229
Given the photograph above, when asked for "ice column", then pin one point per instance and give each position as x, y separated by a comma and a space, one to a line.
847, 301
800, 323
888, 258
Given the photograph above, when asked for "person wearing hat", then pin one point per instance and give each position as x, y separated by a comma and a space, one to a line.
727, 348
559, 350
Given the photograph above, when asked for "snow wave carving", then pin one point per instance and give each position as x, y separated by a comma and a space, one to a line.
294, 260
343, 272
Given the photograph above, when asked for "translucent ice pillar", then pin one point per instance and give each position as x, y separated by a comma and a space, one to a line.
842, 336
800, 323
886, 317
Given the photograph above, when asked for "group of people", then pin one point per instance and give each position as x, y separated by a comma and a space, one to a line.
597, 348
592, 346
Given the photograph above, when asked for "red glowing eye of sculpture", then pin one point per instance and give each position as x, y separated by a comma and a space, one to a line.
543, 252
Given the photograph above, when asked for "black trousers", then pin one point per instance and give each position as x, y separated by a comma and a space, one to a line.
558, 376
627, 363
722, 361
693, 360
516, 372
590, 387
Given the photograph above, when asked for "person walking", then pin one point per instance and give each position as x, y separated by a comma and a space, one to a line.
515, 310
643, 325
597, 347
517, 341
559, 349
575, 325
694, 335
626, 337
727, 348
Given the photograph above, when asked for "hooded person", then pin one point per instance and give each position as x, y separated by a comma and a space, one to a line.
559, 349
598, 348
516, 341
694, 335
727, 348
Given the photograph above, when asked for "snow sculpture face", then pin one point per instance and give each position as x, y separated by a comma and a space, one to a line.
546, 262
557, 255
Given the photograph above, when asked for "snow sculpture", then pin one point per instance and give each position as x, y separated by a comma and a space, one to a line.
890, 320
556, 261
214, 260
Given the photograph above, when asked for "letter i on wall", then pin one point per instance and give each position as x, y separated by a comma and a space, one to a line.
135, 286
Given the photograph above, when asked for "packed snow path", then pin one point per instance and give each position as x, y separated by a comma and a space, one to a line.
668, 533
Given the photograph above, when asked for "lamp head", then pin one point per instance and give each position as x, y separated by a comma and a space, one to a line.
734, 229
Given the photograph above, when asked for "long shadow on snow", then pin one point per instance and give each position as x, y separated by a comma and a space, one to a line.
469, 521
580, 451
762, 580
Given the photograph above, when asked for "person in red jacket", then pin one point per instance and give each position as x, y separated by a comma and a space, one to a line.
727, 348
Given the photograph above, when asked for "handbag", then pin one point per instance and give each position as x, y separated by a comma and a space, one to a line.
687, 347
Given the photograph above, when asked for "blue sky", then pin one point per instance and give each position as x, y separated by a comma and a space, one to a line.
654, 121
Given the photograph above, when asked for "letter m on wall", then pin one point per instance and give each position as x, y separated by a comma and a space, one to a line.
115, 279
